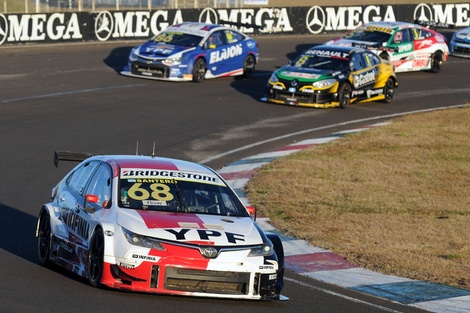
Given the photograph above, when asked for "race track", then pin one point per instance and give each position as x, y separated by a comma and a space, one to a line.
71, 97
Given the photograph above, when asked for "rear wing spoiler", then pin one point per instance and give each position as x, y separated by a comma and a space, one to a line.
70, 156
433, 25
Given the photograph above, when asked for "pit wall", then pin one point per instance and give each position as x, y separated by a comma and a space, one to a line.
130, 25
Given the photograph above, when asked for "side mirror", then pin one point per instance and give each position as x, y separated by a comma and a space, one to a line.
91, 198
252, 210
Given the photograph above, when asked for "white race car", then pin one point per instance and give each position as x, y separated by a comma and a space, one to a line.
410, 47
157, 225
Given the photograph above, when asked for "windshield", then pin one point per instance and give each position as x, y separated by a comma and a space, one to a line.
320, 62
178, 39
172, 195
372, 36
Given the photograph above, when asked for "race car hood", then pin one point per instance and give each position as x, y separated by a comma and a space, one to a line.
151, 49
463, 35
191, 228
354, 43
289, 72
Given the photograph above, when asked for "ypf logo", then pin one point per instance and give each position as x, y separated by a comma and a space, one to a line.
315, 20
104, 25
3, 28
208, 16
422, 13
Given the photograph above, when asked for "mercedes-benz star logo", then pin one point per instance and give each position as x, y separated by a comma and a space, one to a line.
3, 28
209, 16
316, 19
422, 13
209, 252
104, 25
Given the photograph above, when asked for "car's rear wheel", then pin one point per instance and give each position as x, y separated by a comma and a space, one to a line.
344, 95
96, 258
389, 90
249, 65
199, 70
437, 60
44, 239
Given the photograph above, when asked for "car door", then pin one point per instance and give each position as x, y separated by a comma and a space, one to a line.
364, 74
72, 206
402, 43
225, 52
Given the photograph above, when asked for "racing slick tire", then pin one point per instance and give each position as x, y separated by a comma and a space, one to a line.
436, 61
95, 263
44, 239
344, 95
389, 90
279, 250
249, 66
199, 70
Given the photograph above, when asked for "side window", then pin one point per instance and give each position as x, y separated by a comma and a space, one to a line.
100, 185
78, 180
357, 62
215, 40
406, 35
233, 37
372, 58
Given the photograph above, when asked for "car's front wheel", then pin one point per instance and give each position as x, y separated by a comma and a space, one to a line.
437, 60
249, 66
344, 95
389, 90
199, 70
96, 258
44, 239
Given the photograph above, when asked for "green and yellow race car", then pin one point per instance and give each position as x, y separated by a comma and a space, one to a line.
332, 76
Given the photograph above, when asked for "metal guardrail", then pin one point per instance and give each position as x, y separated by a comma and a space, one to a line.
45, 6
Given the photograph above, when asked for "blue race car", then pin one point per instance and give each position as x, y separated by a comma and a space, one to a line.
193, 51
460, 43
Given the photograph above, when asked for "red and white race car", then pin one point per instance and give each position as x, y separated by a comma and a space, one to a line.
410, 47
157, 225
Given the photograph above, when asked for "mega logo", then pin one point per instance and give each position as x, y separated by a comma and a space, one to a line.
457, 14
321, 19
270, 20
39, 27
364, 78
133, 24
226, 53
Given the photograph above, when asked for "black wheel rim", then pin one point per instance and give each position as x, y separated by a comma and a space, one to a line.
95, 264
248, 66
199, 70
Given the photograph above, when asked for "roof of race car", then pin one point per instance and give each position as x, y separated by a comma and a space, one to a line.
386, 27
156, 164
193, 28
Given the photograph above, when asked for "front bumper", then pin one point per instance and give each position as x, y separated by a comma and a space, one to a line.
314, 99
174, 280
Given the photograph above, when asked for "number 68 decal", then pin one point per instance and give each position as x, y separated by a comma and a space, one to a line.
159, 192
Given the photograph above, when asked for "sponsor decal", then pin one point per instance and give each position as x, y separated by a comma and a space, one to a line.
371, 93
365, 78
299, 74
205, 234
321, 19
39, 27
146, 175
423, 44
408, 47
329, 53
141, 257
420, 63
444, 13
267, 267
226, 53
76, 223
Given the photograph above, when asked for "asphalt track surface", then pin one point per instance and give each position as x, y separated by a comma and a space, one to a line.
71, 97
